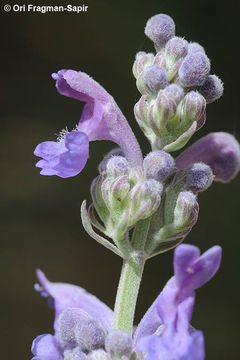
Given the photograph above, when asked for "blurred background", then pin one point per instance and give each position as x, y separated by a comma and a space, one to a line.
40, 216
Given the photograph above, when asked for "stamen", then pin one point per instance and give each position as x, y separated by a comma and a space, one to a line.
37, 287
62, 134
55, 76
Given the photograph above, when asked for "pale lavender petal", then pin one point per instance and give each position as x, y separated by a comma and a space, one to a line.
149, 323
80, 86
102, 118
196, 347
91, 118
184, 315
65, 158
154, 348
67, 295
220, 150
189, 347
166, 302
44, 348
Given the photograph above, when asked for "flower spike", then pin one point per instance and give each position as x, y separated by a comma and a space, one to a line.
175, 86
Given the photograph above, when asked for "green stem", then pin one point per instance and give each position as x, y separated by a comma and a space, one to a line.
130, 280
127, 293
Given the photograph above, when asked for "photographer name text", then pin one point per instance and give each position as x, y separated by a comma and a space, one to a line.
45, 8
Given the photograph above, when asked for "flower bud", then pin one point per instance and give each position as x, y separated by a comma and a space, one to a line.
184, 213
161, 111
175, 91
142, 61
103, 163
152, 79
194, 47
151, 188
160, 28
144, 200
212, 89
194, 105
67, 323
198, 177
220, 150
177, 47
75, 354
160, 59
98, 201
194, 69
116, 166
98, 355
119, 343
89, 334
114, 191
158, 165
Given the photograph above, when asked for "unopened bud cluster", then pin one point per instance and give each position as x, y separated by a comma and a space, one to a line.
123, 195
178, 211
83, 337
175, 85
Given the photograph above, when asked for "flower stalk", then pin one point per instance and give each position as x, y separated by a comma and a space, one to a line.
130, 279
128, 288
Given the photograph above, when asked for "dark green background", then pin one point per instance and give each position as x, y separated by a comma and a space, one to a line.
40, 222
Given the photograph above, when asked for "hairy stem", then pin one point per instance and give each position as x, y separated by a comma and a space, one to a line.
130, 280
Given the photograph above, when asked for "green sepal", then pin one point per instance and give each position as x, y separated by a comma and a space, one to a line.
88, 227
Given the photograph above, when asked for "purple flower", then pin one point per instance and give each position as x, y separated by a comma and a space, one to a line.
220, 150
75, 311
172, 310
67, 295
84, 324
101, 119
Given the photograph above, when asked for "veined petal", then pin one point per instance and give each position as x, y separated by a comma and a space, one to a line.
67, 295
